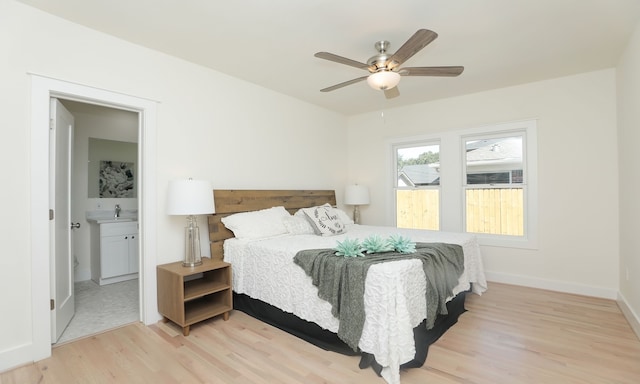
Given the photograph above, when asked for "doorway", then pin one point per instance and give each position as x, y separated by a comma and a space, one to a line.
42, 89
101, 136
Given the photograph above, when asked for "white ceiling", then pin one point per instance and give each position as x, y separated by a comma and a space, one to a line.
272, 43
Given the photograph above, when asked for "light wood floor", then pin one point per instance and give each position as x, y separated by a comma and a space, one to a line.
509, 335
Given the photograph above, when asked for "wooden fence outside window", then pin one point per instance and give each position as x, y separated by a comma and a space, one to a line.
497, 211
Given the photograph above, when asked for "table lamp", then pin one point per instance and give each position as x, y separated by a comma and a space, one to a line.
356, 195
190, 197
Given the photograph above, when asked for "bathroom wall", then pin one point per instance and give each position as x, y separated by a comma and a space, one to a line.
92, 121
116, 153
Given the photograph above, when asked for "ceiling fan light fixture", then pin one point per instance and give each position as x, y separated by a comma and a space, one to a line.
385, 68
382, 80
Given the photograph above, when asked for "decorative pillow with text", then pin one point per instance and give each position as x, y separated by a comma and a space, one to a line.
324, 220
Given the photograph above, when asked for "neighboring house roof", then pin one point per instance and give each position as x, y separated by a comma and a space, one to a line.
492, 155
509, 148
419, 174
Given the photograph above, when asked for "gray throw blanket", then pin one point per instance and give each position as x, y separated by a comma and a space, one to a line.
340, 281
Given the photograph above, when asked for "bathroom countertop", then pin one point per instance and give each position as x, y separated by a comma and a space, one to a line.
103, 216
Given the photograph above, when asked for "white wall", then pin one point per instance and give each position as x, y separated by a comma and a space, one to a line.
209, 126
629, 174
577, 172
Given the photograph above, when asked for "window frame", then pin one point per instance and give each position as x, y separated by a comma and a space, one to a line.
412, 144
453, 185
523, 185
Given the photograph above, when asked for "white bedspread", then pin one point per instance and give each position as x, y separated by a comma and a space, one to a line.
394, 291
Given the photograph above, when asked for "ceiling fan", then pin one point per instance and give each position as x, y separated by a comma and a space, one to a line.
384, 68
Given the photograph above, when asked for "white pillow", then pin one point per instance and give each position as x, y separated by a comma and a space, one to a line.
297, 225
257, 224
324, 220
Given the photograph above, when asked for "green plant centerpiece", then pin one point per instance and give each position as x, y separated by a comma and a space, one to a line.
349, 248
402, 244
376, 244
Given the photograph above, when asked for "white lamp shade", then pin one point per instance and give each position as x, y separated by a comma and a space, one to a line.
356, 195
190, 197
383, 80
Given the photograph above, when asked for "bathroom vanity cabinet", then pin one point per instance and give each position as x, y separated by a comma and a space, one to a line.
114, 251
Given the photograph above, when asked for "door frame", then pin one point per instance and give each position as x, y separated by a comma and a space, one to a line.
42, 89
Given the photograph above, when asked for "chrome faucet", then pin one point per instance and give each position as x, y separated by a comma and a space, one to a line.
117, 214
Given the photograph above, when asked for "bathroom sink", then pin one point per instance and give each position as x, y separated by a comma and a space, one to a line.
113, 220
101, 217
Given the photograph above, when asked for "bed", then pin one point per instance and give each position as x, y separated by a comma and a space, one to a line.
268, 284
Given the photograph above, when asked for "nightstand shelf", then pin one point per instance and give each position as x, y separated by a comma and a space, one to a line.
187, 295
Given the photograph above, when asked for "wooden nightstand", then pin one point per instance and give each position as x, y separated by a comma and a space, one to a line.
187, 295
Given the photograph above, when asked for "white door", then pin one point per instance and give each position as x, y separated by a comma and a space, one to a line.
62, 267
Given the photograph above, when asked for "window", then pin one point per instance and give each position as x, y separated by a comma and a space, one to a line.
481, 180
417, 182
494, 187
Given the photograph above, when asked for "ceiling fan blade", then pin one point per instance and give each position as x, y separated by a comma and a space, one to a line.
391, 93
344, 84
431, 71
341, 60
419, 40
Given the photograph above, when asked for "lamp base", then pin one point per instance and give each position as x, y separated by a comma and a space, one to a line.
192, 255
191, 265
356, 214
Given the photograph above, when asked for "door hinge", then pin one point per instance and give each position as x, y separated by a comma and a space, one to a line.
52, 124
53, 304
51, 214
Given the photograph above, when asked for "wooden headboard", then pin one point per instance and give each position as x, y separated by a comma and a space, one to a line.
230, 201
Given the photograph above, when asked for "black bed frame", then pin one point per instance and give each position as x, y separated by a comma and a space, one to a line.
313, 333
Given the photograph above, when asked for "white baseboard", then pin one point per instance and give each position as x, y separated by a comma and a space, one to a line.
629, 314
552, 285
